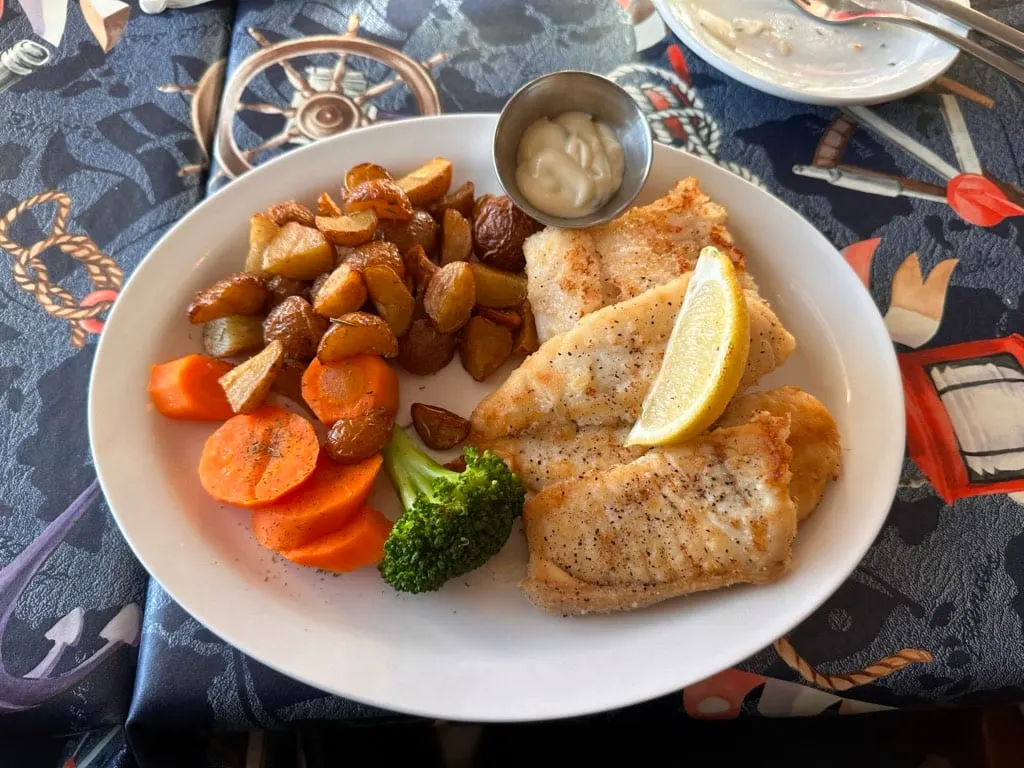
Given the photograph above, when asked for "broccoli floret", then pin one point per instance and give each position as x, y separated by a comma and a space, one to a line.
453, 522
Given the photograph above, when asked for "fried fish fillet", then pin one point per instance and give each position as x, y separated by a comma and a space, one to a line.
575, 272
598, 373
562, 452
813, 436
708, 514
547, 455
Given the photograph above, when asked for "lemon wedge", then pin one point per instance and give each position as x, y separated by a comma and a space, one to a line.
704, 360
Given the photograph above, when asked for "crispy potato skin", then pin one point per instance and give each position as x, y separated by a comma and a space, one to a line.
350, 441
239, 294
420, 230
290, 210
424, 350
357, 333
450, 297
390, 296
499, 230
461, 199
294, 323
383, 196
438, 428
348, 230
338, 293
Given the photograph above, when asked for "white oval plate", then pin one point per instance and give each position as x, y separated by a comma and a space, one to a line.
827, 64
476, 650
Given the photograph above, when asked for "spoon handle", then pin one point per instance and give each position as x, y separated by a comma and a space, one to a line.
1004, 65
979, 22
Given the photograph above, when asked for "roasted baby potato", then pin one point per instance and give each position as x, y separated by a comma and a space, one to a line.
451, 296
499, 229
280, 288
377, 254
354, 229
479, 203
456, 237
262, 230
365, 172
418, 267
290, 210
484, 347
428, 182
298, 252
382, 196
507, 317
439, 429
338, 293
325, 206
239, 294
357, 333
294, 323
352, 440
458, 464
497, 288
424, 350
288, 381
526, 342
247, 385
390, 297
232, 335
461, 199
420, 230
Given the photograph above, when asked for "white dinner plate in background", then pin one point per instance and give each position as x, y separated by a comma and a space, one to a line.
789, 54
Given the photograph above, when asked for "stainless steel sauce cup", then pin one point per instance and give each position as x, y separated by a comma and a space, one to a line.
552, 95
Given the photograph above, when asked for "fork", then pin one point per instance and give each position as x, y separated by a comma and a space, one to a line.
851, 12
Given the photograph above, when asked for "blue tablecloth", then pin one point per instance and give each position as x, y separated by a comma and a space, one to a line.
107, 139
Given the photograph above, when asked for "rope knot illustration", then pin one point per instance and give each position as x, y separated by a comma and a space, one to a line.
31, 275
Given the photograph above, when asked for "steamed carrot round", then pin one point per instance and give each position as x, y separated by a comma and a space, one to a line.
318, 507
349, 388
256, 458
359, 543
187, 388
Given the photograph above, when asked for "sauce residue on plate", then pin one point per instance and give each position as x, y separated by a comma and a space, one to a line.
569, 166
774, 36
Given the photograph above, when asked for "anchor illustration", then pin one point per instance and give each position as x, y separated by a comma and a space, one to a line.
37, 686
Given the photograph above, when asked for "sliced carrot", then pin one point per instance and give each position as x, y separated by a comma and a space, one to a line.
318, 507
187, 388
349, 388
256, 458
359, 543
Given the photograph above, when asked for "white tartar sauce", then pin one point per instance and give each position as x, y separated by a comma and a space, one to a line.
569, 166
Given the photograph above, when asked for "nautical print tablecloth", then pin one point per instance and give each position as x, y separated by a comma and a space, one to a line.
115, 123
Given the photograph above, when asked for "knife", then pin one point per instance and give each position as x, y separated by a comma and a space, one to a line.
978, 21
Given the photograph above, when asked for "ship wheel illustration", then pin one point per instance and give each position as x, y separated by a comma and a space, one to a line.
324, 103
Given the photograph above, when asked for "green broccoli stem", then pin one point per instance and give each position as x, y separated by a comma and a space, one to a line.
412, 471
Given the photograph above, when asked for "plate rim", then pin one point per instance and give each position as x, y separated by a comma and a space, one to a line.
751, 80
106, 354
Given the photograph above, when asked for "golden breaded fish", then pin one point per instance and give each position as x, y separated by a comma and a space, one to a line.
598, 373
575, 272
552, 454
813, 436
708, 514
